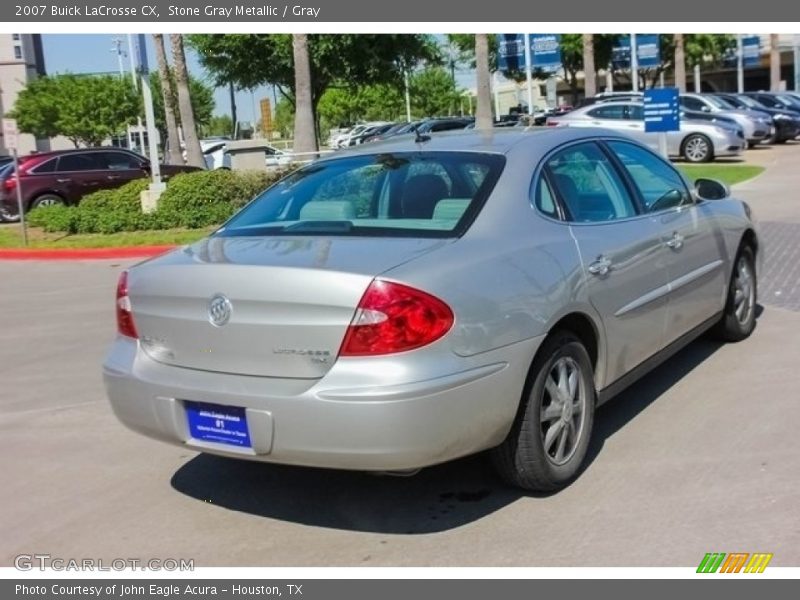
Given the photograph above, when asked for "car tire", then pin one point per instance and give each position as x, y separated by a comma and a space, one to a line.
739, 316
697, 148
7, 217
543, 452
47, 200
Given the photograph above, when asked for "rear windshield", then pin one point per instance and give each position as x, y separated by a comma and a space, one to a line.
420, 194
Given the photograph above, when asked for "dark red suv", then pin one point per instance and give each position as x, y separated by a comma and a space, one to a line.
64, 177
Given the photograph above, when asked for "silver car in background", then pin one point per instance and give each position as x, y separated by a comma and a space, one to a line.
697, 140
757, 125
413, 301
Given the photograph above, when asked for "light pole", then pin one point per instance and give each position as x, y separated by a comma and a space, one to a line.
634, 64
797, 63
739, 64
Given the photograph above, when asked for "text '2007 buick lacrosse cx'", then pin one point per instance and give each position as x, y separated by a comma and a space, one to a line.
428, 298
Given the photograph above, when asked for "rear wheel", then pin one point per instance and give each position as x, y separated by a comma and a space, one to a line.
47, 200
739, 317
6, 216
697, 148
545, 449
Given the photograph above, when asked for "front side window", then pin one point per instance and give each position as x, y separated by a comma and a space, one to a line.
692, 104
588, 185
659, 185
428, 194
120, 161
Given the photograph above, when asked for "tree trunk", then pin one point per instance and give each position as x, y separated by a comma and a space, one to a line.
680, 64
483, 110
194, 155
173, 154
589, 71
305, 139
774, 63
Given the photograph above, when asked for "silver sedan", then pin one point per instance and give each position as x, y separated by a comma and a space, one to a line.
697, 140
424, 299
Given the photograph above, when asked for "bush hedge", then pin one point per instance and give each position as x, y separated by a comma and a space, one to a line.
191, 200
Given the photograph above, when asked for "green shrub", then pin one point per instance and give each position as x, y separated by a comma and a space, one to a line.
191, 200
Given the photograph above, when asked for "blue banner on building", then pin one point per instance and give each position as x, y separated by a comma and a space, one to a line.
546, 51
648, 50
751, 51
510, 52
621, 53
648, 53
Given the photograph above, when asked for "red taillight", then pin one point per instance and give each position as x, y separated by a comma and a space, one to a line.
394, 318
10, 183
550, 123
125, 324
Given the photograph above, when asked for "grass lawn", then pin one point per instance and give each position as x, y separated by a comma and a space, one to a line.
11, 237
729, 174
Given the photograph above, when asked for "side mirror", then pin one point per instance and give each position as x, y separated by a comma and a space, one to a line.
711, 189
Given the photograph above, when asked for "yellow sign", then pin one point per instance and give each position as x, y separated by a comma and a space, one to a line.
266, 118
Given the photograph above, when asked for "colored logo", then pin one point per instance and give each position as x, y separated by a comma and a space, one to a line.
736, 562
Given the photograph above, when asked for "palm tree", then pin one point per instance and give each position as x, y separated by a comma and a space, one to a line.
305, 137
680, 63
774, 63
483, 110
174, 156
194, 155
589, 72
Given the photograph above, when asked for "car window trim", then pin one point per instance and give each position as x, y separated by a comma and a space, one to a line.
639, 215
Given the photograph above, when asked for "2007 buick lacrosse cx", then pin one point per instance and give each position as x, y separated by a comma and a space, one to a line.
430, 297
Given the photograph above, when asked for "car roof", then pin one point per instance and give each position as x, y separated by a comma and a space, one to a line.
52, 153
495, 141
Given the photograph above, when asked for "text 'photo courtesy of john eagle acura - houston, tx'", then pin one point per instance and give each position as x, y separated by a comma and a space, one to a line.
425, 298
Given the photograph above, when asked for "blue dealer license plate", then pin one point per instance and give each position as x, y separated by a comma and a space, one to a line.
217, 423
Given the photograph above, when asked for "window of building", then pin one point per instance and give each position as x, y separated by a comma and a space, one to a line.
15, 37
18, 52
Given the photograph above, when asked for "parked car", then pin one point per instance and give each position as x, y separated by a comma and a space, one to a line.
409, 303
216, 155
757, 126
696, 141
786, 121
343, 141
369, 133
443, 124
397, 129
65, 176
779, 101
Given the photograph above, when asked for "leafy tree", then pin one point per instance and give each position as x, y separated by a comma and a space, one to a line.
572, 56
348, 61
203, 103
86, 109
432, 93
217, 125
284, 117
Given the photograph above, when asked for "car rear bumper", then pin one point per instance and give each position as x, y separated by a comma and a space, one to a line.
396, 426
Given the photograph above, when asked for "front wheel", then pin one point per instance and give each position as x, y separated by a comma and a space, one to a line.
697, 148
547, 444
739, 318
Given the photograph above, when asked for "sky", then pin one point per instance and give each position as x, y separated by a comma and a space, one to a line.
96, 53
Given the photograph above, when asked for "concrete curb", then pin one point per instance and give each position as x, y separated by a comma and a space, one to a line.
82, 253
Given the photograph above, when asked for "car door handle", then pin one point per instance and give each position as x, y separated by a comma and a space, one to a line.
600, 267
64, 180
113, 177
676, 241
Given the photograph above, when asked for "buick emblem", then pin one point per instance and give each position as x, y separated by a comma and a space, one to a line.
219, 310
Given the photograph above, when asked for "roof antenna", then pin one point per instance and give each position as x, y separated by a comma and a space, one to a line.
420, 138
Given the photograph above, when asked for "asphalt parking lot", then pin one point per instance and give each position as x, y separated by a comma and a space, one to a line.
702, 455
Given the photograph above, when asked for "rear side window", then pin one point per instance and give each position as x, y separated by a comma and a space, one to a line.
588, 185
616, 111
46, 167
427, 194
